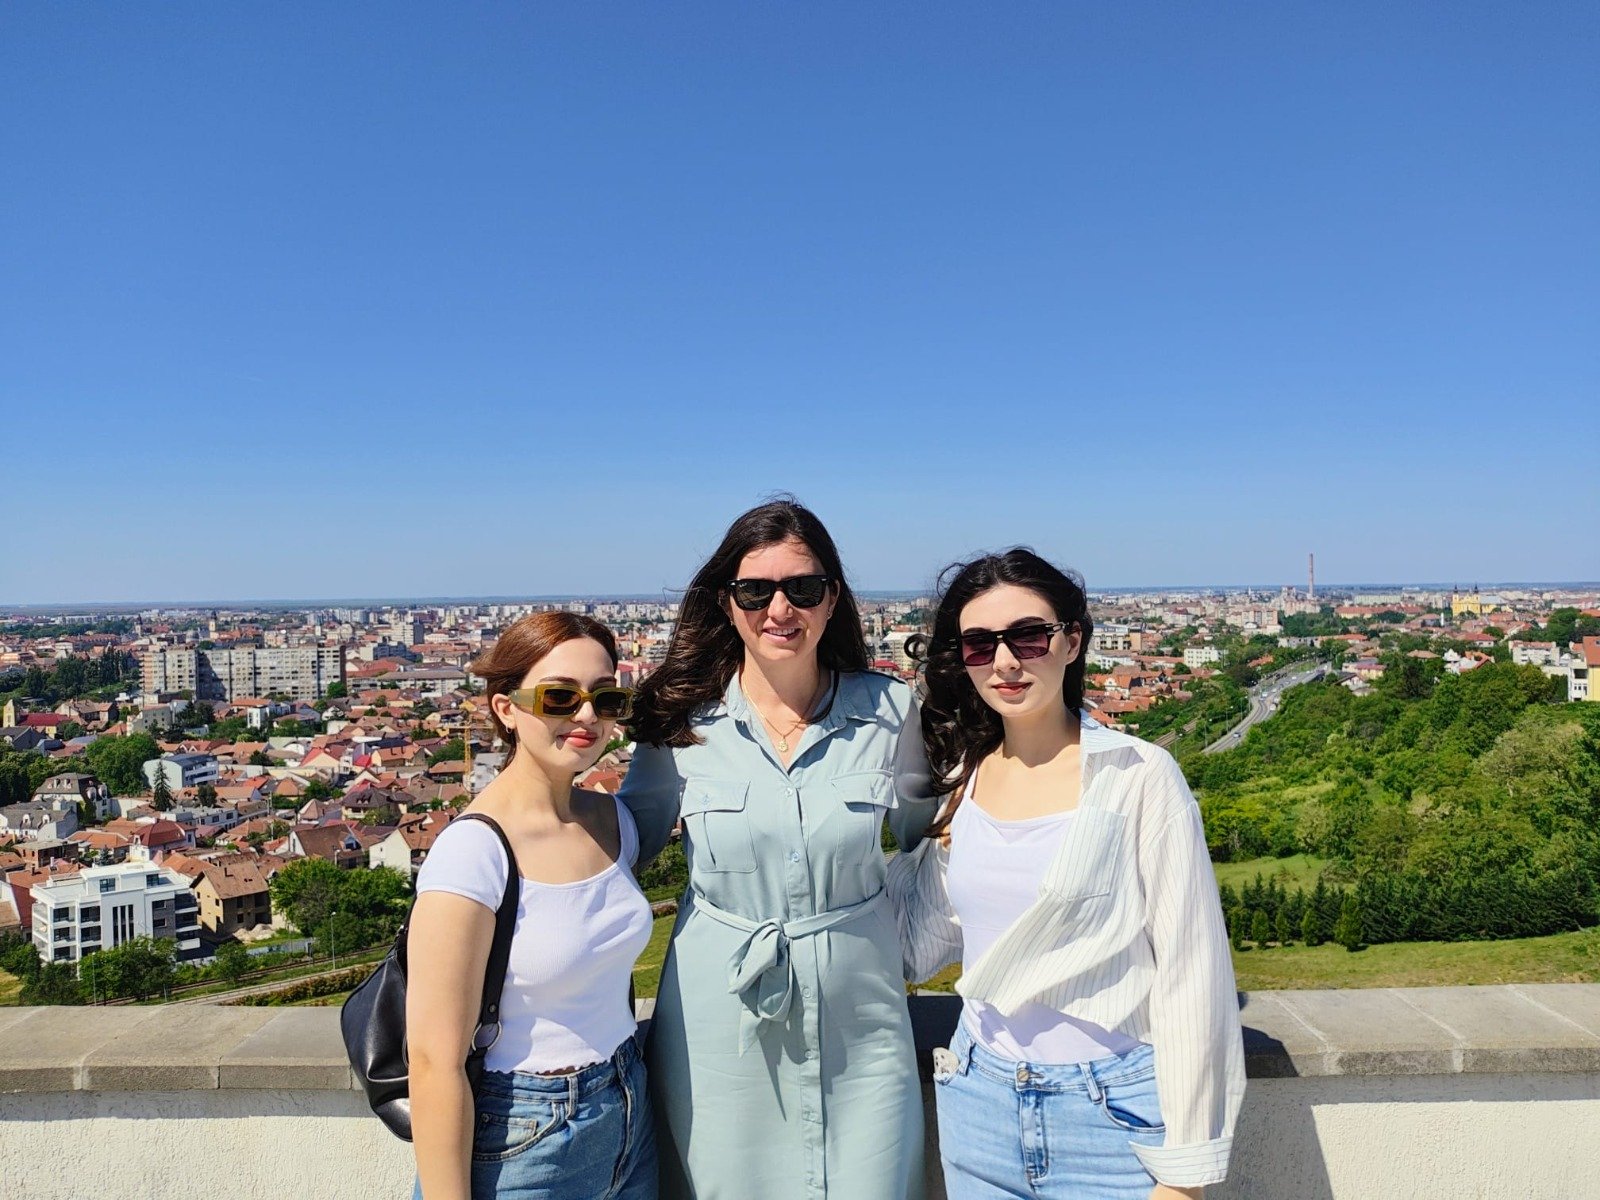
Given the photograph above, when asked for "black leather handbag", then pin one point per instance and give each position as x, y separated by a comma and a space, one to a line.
373, 1018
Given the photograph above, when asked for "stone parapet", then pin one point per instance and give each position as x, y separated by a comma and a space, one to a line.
1355, 1093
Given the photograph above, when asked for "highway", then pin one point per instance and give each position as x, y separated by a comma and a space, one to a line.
1264, 700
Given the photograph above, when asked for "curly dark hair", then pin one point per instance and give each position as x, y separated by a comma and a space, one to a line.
958, 727
705, 650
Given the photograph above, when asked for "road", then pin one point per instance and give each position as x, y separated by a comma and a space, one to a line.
1264, 700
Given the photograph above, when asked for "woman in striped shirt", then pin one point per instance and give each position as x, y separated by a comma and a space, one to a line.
1068, 874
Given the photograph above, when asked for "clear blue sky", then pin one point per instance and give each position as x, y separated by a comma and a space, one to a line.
304, 300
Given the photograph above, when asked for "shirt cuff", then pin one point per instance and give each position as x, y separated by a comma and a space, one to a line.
1194, 1165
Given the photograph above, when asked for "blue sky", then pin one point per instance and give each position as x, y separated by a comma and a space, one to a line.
386, 299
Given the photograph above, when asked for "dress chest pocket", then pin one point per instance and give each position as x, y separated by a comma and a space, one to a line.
855, 804
718, 828
863, 791
1085, 868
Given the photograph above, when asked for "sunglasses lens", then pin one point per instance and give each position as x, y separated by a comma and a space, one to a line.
560, 701
753, 594
978, 651
806, 591
613, 704
1030, 642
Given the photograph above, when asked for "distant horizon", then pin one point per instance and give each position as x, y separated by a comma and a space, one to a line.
8, 609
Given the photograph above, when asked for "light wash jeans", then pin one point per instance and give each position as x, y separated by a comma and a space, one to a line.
586, 1135
1009, 1129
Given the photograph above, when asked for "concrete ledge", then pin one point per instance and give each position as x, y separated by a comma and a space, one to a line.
1521, 1029
1405, 1094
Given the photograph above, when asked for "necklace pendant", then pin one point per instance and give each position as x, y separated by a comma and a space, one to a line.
783, 745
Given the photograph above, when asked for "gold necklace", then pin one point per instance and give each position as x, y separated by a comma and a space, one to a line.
782, 744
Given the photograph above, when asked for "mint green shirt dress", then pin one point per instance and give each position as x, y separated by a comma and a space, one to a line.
780, 1054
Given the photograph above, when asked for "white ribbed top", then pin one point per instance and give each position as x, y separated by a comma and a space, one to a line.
565, 1002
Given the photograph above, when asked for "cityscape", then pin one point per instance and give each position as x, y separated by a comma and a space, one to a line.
160, 767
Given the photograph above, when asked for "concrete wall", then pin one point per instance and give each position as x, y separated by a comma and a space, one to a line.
1469, 1093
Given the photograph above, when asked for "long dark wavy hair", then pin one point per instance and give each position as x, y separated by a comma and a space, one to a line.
705, 649
959, 729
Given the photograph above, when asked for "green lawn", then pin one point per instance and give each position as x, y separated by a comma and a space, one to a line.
1299, 870
1560, 958
10, 989
647, 971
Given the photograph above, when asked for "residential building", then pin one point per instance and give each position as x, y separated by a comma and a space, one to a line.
182, 770
233, 896
1200, 654
73, 789
38, 822
299, 672
102, 907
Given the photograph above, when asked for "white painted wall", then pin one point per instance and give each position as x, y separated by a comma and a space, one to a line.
1467, 1137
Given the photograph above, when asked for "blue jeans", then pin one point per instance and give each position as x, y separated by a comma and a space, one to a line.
1009, 1129
586, 1135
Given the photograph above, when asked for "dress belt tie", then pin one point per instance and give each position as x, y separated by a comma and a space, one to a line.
760, 971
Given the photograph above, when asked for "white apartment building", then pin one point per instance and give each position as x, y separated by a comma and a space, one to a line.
1538, 654
102, 907
1201, 655
182, 770
299, 672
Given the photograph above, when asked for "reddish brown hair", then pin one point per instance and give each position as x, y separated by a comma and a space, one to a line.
506, 664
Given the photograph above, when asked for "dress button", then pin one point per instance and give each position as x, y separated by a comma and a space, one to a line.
794, 856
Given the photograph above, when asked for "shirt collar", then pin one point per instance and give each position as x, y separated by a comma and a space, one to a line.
1095, 738
853, 701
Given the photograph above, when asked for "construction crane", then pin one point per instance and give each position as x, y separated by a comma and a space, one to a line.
467, 707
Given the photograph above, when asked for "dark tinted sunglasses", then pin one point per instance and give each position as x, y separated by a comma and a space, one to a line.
611, 703
1025, 641
803, 591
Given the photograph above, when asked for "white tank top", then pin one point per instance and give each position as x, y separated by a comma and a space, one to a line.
565, 1002
995, 871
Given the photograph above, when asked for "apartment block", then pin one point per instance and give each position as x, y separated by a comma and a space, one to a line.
102, 907
299, 672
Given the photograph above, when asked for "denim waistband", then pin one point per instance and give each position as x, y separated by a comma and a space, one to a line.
1086, 1077
584, 1081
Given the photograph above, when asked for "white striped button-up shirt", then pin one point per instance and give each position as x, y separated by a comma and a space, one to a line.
1127, 932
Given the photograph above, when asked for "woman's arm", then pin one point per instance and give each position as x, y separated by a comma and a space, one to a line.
915, 802
447, 951
1194, 1009
653, 792
930, 935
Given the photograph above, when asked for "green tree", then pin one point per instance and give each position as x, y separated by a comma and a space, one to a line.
119, 761
161, 793
306, 891
1348, 931
452, 751
233, 960
1311, 931
139, 968
56, 983
258, 758
205, 794
1260, 929
336, 690
1284, 930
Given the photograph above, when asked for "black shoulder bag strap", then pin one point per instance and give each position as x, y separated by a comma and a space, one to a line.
494, 975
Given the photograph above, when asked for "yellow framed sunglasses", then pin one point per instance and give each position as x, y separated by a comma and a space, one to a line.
612, 702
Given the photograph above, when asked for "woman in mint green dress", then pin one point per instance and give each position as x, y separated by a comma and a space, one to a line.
780, 1054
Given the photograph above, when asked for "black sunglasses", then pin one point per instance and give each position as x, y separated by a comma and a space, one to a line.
1025, 641
803, 591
